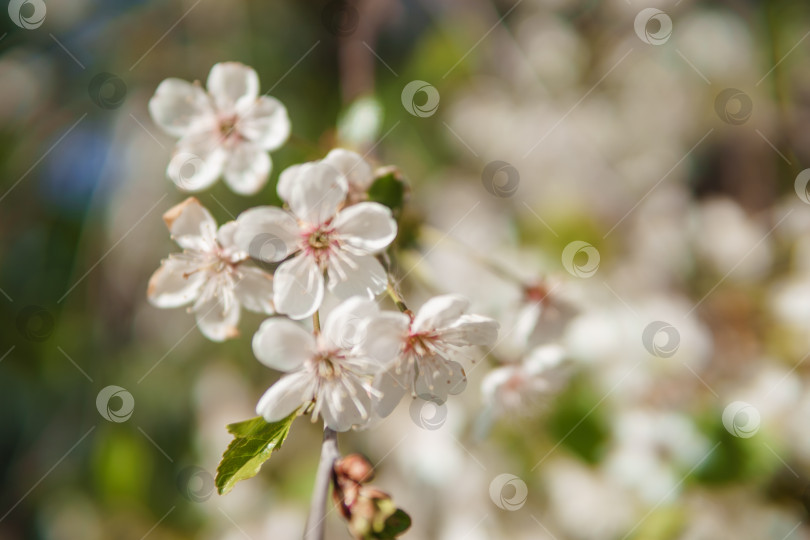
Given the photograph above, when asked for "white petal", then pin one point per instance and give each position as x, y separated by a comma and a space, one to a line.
176, 283
217, 310
385, 336
340, 412
316, 192
544, 358
265, 122
366, 226
526, 321
345, 326
198, 161
357, 172
232, 85
356, 275
393, 385
287, 179
471, 330
180, 107
438, 377
440, 312
283, 345
267, 233
226, 236
254, 289
191, 225
493, 380
247, 168
298, 289
287, 394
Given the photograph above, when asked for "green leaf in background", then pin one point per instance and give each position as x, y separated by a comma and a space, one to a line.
389, 188
254, 441
576, 421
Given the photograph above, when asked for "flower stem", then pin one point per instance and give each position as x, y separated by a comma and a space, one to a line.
400, 303
317, 510
316, 322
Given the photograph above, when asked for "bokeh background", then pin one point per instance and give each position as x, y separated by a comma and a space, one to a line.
670, 144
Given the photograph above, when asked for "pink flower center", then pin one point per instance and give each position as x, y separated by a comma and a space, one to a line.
319, 242
515, 383
536, 293
227, 128
326, 366
422, 344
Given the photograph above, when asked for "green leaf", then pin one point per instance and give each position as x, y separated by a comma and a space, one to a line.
389, 188
396, 524
254, 441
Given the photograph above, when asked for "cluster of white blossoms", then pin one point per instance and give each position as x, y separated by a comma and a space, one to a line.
533, 363
325, 240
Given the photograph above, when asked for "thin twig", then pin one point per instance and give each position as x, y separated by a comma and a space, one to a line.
316, 322
317, 510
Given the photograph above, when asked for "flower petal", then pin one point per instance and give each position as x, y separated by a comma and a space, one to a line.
191, 225
345, 326
543, 359
356, 170
247, 168
176, 283
217, 310
287, 394
225, 238
393, 383
233, 86
356, 275
385, 336
198, 161
340, 410
526, 320
317, 192
180, 107
366, 226
254, 289
437, 378
440, 312
495, 379
298, 289
471, 330
287, 179
265, 123
283, 345
267, 233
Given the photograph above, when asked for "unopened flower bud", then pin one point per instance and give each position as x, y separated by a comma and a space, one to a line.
356, 468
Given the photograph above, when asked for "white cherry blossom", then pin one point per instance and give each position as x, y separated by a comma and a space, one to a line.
542, 316
358, 173
226, 130
328, 370
518, 388
211, 272
419, 349
322, 236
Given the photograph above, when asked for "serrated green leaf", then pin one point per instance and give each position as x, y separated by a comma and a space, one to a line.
254, 441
